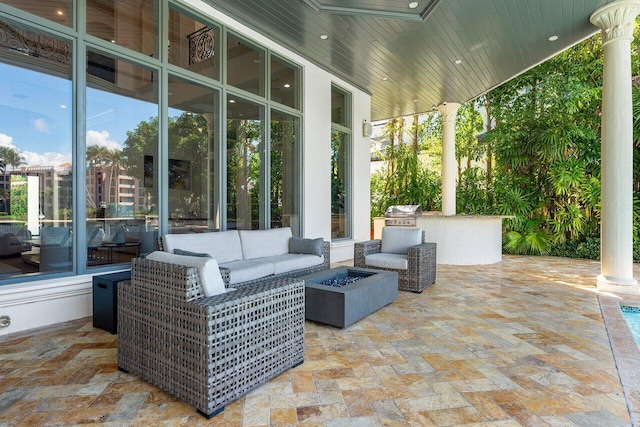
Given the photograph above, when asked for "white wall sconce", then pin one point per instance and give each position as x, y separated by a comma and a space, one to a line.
367, 128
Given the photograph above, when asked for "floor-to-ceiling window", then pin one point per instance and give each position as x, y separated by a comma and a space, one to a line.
285, 167
36, 145
340, 163
193, 124
113, 135
245, 147
121, 131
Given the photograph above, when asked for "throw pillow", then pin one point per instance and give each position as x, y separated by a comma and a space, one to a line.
208, 270
306, 246
189, 253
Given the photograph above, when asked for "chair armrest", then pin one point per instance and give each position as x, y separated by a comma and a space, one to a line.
419, 255
362, 249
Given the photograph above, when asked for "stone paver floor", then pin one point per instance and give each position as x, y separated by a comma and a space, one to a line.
521, 342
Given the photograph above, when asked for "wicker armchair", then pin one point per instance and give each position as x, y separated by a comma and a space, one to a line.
414, 262
207, 351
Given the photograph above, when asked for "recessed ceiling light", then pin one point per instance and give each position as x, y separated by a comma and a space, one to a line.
232, 101
60, 12
413, 4
287, 85
113, 41
323, 36
553, 38
384, 79
458, 61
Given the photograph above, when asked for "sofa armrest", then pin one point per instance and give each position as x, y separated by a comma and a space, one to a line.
326, 252
362, 249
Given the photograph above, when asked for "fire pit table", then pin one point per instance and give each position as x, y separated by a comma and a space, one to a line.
340, 304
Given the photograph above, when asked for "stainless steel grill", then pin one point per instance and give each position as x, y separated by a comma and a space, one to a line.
402, 215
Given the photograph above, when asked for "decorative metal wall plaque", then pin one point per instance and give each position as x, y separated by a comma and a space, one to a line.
201, 45
33, 44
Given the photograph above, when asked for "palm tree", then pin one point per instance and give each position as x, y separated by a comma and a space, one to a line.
9, 156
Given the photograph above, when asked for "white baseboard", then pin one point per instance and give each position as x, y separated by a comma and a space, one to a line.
45, 302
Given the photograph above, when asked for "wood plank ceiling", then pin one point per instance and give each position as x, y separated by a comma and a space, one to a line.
417, 49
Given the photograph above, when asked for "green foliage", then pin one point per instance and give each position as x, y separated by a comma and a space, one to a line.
413, 184
539, 160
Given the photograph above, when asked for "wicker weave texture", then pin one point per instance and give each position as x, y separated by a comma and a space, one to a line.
226, 273
421, 259
207, 351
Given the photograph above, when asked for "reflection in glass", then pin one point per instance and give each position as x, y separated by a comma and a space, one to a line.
339, 185
130, 24
193, 45
122, 133
59, 11
35, 152
285, 168
339, 107
245, 123
285, 83
245, 66
193, 132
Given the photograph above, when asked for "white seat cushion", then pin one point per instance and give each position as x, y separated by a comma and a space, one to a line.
244, 270
289, 262
223, 246
208, 271
396, 240
385, 260
264, 243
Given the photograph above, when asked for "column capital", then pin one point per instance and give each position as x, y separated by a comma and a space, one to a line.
616, 19
448, 111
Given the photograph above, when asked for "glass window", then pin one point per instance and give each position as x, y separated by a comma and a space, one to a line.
245, 66
36, 134
121, 133
130, 24
194, 45
59, 11
285, 83
340, 164
245, 204
193, 132
285, 172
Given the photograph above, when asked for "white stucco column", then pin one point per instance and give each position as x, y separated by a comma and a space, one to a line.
616, 20
449, 171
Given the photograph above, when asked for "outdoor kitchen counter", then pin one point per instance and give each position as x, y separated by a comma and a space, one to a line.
464, 239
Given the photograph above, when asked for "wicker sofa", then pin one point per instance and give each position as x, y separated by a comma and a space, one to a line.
247, 256
404, 251
207, 351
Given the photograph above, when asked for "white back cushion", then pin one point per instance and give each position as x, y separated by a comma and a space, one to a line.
223, 246
208, 270
262, 243
396, 240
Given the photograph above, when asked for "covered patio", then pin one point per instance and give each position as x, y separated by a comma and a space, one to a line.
521, 342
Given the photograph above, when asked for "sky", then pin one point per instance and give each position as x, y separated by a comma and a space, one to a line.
36, 116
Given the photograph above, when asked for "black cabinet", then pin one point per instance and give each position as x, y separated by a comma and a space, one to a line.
105, 300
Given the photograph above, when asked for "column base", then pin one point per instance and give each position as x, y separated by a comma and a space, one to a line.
618, 285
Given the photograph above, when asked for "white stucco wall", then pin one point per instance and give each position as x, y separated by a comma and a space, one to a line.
46, 302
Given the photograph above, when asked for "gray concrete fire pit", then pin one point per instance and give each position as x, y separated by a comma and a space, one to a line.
342, 306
